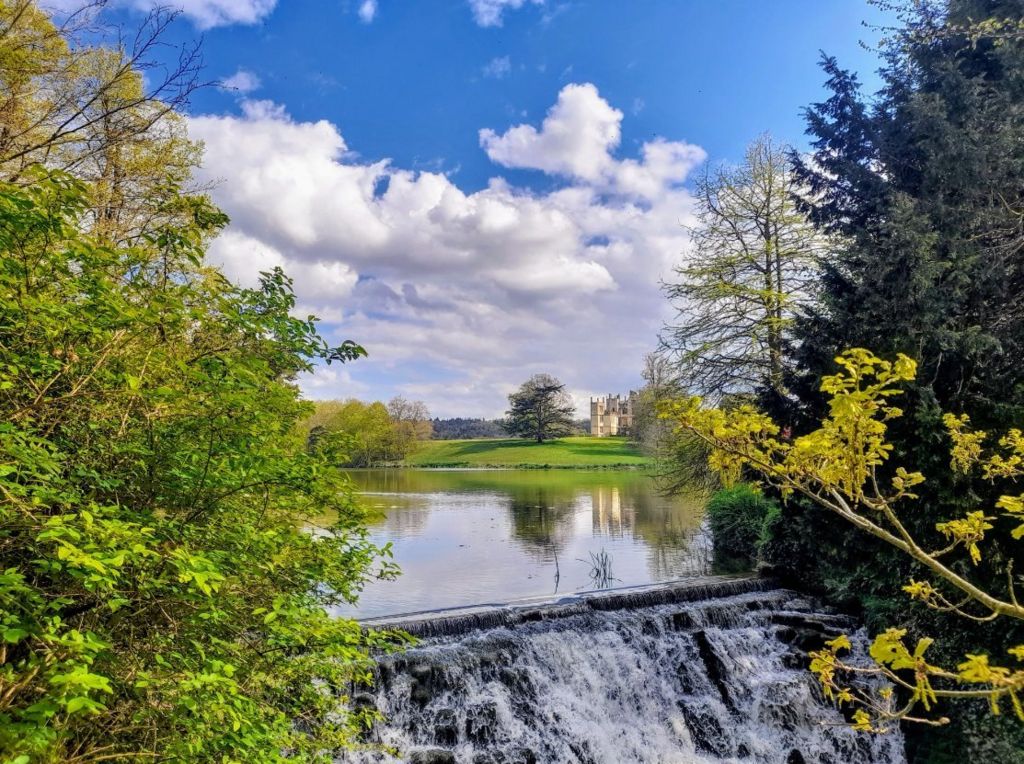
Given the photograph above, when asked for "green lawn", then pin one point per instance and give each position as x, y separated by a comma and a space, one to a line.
564, 452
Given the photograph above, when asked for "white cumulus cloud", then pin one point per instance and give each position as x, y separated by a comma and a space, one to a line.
459, 295
576, 137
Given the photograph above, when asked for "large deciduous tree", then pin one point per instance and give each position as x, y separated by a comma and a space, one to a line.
98, 103
410, 421
161, 595
358, 434
540, 409
752, 267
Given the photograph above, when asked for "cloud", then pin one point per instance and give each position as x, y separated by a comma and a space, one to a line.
205, 14
367, 11
242, 82
459, 295
498, 67
575, 138
489, 13
578, 138
214, 13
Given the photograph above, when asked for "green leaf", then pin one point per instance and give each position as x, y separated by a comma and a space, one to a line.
82, 703
14, 635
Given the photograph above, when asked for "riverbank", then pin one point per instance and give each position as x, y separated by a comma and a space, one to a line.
563, 453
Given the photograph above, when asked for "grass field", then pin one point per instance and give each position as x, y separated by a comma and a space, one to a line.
576, 452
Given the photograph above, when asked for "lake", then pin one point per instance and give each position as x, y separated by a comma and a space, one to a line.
467, 537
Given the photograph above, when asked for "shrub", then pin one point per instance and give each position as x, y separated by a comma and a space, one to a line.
161, 597
738, 517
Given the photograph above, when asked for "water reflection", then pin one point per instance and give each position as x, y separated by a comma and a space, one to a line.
473, 536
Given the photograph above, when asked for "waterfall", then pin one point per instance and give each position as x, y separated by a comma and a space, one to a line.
673, 674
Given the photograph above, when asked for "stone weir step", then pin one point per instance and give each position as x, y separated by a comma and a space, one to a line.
460, 620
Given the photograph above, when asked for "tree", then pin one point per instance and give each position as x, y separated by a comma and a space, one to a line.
161, 595
922, 185
353, 433
411, 423
359, 434
660, 384
540, 409
752, 268
843, 467
680, 459
458, 428
97, 103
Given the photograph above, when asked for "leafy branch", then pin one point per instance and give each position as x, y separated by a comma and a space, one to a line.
843, 466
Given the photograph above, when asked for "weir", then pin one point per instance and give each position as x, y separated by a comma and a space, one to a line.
705, 670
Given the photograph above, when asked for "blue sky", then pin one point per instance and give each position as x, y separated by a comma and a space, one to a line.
477, 190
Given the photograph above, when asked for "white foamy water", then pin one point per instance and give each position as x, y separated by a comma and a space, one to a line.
722, 680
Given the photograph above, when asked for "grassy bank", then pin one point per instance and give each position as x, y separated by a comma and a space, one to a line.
565, 453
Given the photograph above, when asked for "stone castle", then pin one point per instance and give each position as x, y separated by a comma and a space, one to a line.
612, 415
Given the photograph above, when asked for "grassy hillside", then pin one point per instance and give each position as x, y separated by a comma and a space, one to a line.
564, 452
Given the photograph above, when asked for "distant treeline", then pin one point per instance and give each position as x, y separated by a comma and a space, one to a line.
463, 428
460, 428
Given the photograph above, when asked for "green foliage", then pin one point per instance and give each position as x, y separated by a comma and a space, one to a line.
738, 517
540, 409
350, 433
356, 434
160, 593
461, 428
844, 467
753, 267
924, 185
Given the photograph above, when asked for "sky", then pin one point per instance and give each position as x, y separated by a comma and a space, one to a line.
480, 190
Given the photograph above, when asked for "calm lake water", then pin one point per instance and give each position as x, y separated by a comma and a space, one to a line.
467, 537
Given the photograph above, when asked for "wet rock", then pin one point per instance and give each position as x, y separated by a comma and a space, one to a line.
420, 692
798, 603
785, 634
686, 680
581, 752
432, 756
510, 678
808, 632
795, 757
683, 621
716, 668
797, 620
705, 731
809, 640
481, 722
523, 756
446, 727
514, 756
795, 661
384, 674
421, 671
650, 628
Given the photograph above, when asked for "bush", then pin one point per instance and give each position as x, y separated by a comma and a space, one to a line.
738, 518
161, 598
